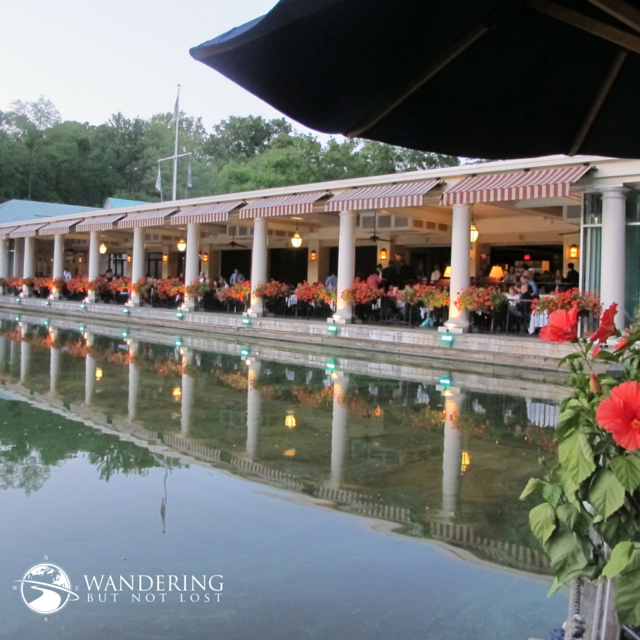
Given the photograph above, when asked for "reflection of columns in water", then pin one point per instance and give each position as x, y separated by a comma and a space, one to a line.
89, 372
134, 382
14, 357
339, 438
188, 392
451, 456
54, 368
25, 353
254, 409
3, 354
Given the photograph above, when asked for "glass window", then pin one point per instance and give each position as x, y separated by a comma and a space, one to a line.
633, 206
593, 208
632, 270
591, 259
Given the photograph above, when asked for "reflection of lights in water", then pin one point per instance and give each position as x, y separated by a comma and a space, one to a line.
465, 461
177, 394
334, 375
290, 420
99, 373
448, 393
378, 412
248, 362
289, 453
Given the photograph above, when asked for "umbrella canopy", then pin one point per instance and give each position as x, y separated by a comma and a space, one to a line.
475, 78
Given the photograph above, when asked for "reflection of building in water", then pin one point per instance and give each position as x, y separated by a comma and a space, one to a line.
25, 354
254, 408
451, 455
89, 371
339, 423
134, 381
542, 414
54, 363
188, 391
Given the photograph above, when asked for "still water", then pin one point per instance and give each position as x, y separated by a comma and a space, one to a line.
328, 497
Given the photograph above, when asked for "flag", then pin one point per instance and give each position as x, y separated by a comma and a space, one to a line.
176, 109
189, 177
159, 180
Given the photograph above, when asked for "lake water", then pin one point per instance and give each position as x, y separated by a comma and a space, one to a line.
337, 498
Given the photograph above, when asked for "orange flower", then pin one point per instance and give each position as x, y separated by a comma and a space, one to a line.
620, 415
562, 327
607, 326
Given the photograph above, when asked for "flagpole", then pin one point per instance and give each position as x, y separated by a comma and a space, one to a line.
175, 149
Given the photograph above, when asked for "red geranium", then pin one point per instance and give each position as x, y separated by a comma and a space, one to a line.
607, 326
562, 327
620, 415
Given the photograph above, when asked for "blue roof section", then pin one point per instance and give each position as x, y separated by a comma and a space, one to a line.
20, 210
116, 203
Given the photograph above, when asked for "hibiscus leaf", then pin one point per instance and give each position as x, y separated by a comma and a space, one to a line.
565, 552
606, 494
627, 470
551, 493
533, 485
620, 557
576, 457
627, 600
543, 521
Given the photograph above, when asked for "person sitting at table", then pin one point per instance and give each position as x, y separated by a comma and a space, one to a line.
435, 274
375, 279
527, 280
573, 277
511, 277
513, 295
526, 296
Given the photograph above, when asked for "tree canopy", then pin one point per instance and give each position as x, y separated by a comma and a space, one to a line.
45, 158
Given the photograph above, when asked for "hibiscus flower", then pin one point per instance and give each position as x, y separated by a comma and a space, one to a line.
620, 415
562, 327
607, 326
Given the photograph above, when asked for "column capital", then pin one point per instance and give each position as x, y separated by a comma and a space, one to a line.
349, 213
614, 191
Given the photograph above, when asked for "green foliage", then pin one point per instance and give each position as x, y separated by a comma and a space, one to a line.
591, 496
43, 158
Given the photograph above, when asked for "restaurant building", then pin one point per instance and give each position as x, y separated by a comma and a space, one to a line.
538, 214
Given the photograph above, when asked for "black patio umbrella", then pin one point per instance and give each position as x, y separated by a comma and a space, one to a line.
475, 78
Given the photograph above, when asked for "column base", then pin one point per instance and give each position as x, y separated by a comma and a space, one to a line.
453, 329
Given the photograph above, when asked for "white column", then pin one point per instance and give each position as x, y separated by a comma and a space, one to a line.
4, 258
18, 257
460, 246
254, 410
58, 262
451, 456
613, 268
258, 261
188, 394
339, 439
346, 260
191, 260
137, 262
25, 356
94, 260
134, 382
54, 365
29, 270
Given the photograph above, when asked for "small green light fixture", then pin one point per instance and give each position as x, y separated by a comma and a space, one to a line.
178, 342
246, 322
445, 382
81, 328
83, 306
18, 300
125, 334
244, 353
447, 338
332, 329
125, 310
179, 315
17, 318
331, 365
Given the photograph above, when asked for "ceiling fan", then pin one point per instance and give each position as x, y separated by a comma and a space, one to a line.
375, 237
233, 244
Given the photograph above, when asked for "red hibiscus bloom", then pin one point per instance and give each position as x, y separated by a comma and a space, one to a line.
622, 344
607, 326
620, 415
562, 327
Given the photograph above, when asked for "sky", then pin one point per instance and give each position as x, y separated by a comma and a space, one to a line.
97, 57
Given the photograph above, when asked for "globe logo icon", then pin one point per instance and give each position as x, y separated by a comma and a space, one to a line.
46, 588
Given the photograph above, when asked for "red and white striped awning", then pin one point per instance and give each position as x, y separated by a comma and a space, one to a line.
294, 205
4, 233
206, 213
402, 194
516, 185
99, 223
26, 231
56, 228
155, 218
